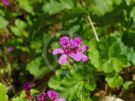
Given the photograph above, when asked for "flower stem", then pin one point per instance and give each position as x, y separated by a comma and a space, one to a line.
93, 28
91, 22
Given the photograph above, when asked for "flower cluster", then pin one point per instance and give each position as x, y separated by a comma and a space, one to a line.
6, 2
51, 95
71, 48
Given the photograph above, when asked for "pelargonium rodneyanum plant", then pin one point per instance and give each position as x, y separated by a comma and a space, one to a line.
71, 48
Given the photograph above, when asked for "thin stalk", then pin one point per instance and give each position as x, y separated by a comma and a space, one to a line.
91, 22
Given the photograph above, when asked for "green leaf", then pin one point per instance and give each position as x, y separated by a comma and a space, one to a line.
128, 85
117, 64
19, 28
32, 91
114, 81
74, 29
54, 6
90, 86
129, 39
37, 68
94, 56
20, 24
3, 93
132, 14
18, 99
26, 5
130, 2
22, 95
100, 7
37, 45
108, 55
3, 22
66, 86
131, 56
73, 85
15, 31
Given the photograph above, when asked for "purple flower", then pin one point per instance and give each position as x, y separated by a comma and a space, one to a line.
73, 44
64, 41
71, 48
6, 2
10, 49
60, 99
27, 87
42, 97
78, 40
52, 95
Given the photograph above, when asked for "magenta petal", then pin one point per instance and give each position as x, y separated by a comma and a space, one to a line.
63, 59
78, 40
84, 58
73, 44
27, 86
42, 97
76, 57
64, 38
64, 41
10, 49
61, 99
85, 48
6, 2
52, 95
57, 51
